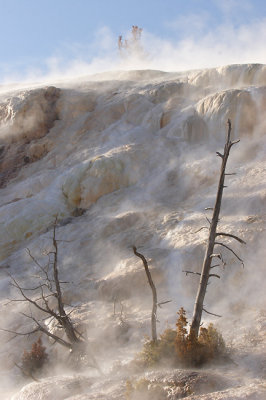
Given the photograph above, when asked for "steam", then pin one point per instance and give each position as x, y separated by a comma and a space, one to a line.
140, 158
198, 44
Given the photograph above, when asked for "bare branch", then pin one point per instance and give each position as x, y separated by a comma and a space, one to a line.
66, 241
29, 299
232, 251
208, 220
154, 294
218, 255
234, 142
4, 266
26, 373
34, 259
163, 302
216, 265
191, 272
44, 298
20, 333
203, 227
208, 208
231, 236
219, 154
48, 333
31, 289
215, 275
208, 312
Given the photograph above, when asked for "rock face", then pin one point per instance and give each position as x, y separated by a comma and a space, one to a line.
24, 120
125, 159
102, 175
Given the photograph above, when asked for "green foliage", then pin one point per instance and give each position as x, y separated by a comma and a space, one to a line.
178, 347
166, 345
212, 341
34, 359
150, 354
161, 352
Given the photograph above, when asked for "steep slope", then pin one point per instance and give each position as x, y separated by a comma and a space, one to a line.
129, 159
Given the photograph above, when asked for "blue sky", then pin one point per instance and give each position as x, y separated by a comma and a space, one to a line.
40, 36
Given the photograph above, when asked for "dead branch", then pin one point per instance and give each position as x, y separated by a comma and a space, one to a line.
215, 275
232, 251
37, 263
208, 312
34, 303
4, 266
154, 294
219, 255
48, 333
234, 142
19, 333
163, 302
231, 236
203, 227
214, 255
191, 272
26, 373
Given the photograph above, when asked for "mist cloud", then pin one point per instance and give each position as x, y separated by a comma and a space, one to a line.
198, 44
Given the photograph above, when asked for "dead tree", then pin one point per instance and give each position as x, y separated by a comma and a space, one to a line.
133, 43
48, 289
154, 295
210, 254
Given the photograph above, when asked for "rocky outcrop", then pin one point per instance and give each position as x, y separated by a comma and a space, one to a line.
24, 120
89, 181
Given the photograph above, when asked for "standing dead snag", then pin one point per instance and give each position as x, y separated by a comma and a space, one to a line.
154, 295
62, 317
211, 243
133, 43
47, 289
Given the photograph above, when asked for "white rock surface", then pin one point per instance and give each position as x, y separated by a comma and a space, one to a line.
129, 158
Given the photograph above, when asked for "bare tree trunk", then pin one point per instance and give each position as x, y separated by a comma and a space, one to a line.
209, 254
154, 296
63, 317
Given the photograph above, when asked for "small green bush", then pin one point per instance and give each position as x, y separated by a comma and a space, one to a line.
161, 352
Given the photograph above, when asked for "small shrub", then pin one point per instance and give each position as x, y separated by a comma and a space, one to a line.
166, 345
145, 390
34, 359
193, 351
178, 347
212, 341
150, 354
181, 341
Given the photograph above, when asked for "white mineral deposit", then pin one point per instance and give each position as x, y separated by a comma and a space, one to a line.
122, 159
